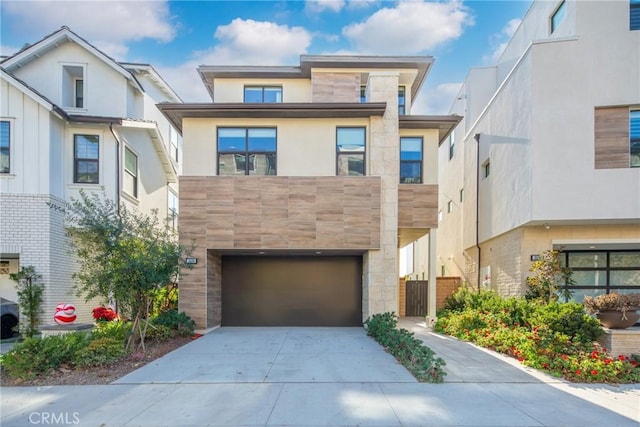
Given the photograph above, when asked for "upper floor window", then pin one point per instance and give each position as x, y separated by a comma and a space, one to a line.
73, 86
130, 184
558, 16
246, 151
262, 94
350, 151
402, 100
634, 14
410, 160
86, 149
172, 209
486, 169
176, 143
634, 138
450, 206
452, 144
5, 146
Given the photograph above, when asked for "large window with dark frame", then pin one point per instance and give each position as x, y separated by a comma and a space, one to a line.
5, 146
350, 151
634, 14
602, 272
246, 151
634, 138
410, 160
263, 94
86, 156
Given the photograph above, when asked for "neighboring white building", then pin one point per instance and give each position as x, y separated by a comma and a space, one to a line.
551, 133
72, 118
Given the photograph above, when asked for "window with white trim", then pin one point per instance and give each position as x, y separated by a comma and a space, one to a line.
5, 146
172, 209
130, 184
86, 159
73, 86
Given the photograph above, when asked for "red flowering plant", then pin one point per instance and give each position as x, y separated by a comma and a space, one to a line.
104, 314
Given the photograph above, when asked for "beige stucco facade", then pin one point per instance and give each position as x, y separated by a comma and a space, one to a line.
307, 209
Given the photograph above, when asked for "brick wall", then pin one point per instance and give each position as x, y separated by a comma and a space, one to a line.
445, 286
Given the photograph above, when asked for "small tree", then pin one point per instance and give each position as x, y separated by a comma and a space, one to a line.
550, 279
123, 255
29, 298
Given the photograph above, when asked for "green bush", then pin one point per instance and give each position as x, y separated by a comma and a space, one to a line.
566, 318
36, 356
178, 321
419, 359
116, 330
99, 351
556, 337
160, 333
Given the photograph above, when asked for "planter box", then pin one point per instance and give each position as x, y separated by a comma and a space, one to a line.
48, 330
621, 341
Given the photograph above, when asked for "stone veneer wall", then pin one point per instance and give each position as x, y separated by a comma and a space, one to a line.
335, 87
380, 287
32, 227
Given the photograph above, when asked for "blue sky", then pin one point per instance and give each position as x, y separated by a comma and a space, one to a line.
177, 36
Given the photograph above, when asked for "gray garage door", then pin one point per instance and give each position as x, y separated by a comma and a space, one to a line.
291, 291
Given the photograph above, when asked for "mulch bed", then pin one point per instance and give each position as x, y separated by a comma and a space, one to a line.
68, 375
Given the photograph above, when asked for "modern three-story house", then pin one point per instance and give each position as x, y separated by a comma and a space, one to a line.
299, 186
71, 119
548, 154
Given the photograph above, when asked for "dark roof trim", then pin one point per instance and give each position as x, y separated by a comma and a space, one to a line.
444, 124
176, 112
76, 118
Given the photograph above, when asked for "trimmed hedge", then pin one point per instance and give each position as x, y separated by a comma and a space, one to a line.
419, 359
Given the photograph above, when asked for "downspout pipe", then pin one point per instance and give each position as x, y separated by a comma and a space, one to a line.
117, 139
477, 138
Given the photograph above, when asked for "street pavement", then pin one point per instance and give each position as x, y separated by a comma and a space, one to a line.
322, 377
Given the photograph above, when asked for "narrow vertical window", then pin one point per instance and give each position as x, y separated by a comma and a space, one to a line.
410, 160
5, 146
176, 144
634, 138
172, 209
486, 169
402, 101
452, 144
130, 172
558, 16
79, 93
363, 94
461, 195
86, 158
450, 206
350, 147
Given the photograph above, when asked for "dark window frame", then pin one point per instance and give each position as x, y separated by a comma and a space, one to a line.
262, 88
364, 153
634, 15
607, 269
6, 151
402, 108
634, 142
420, 162
78, 94
246, 151
452, 145
77, 160
128, 172
486, 169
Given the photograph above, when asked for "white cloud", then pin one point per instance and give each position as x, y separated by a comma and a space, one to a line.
110, 24
500, 41
318, 6
437, 100
411, 27
241, 42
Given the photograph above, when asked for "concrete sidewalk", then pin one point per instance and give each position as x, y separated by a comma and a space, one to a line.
322, 376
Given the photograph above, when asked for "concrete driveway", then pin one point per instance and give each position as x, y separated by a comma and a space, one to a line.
321, 377
275, 355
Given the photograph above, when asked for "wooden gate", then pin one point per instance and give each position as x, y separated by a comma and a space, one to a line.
416, 299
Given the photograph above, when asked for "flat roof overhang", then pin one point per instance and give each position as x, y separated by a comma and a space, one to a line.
176, 112
444, 124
